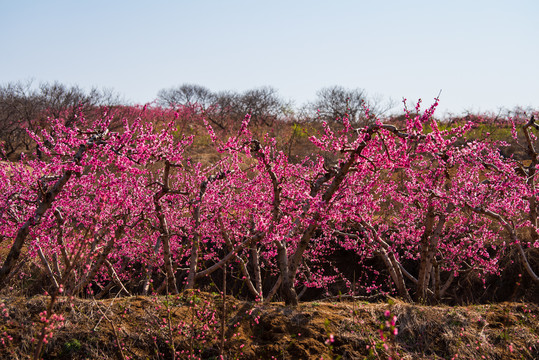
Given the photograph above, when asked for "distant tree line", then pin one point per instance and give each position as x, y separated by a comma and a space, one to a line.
221, 108
265, 105
25, 107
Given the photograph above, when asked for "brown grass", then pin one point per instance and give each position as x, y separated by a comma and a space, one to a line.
498, 331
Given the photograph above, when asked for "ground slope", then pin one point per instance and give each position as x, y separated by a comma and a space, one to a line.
150, 327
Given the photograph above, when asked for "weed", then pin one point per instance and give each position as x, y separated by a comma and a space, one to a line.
72, 346
387, 331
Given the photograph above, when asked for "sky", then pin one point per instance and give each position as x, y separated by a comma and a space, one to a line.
482, 55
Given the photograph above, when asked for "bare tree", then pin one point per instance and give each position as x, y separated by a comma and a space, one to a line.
336, 102
20, 107
66, 102
228, 108
186, 94
224, 109
26, 107
263, 104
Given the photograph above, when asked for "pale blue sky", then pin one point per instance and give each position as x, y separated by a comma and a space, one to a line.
482, 54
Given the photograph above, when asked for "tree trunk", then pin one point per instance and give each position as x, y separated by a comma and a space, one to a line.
532, 169
99, 262
46, 202
421, 288
165, 238
429, 245
287, 283
392, 264
255, 261
164, 230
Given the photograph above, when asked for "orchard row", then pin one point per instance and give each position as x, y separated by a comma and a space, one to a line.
125, 206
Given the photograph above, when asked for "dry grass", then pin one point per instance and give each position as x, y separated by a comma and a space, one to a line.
497, 331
